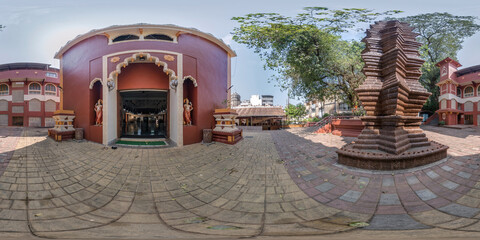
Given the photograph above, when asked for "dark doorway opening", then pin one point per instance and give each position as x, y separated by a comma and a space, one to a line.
17, 121
468, 119
143, 114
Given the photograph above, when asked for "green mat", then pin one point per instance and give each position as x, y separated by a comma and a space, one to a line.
142, 143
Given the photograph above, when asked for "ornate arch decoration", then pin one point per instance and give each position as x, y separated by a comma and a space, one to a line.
142, 57
194, 81
94, 81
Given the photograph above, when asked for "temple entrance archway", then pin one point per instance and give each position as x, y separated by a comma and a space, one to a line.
143, 114
142, 102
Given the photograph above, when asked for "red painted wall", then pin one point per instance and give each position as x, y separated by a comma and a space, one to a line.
142, 76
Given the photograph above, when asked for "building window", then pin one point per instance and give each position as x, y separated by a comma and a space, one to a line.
344, 107
50, 89
478, 90
459, 92
158, 37
51, 74
34, 88
443, 104
34, 105
468, 107
468, 92
4, 89
126, 37
50, 106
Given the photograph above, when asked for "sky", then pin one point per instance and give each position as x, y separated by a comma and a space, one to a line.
37, 29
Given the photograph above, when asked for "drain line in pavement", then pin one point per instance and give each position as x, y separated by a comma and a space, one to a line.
25, 159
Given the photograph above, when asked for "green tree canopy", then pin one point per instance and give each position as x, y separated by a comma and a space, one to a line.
295, 111
441, 35
306, 52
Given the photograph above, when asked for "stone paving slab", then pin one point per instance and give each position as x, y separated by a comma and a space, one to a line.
394, 222
273, 183
398, 196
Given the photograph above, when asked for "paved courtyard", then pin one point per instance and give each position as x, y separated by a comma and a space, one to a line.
270, 185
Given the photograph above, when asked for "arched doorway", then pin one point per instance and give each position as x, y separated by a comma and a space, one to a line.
143, 111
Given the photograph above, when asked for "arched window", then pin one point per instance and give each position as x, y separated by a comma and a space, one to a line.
459, 92
50, 89
468, 107
468, 92
34, 88
126, 37
478, 90
34, 105
159, 37
443, 104
50, 106
4, 89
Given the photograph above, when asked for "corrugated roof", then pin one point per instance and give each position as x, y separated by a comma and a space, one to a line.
260, 112
25, 65
467, 70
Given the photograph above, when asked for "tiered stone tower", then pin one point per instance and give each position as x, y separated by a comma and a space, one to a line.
392, 98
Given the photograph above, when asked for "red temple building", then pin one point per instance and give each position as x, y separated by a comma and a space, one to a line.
29, 94
135, 81
459, 98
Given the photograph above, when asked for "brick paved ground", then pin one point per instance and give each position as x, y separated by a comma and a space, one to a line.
270, 184
442, 195
8, 141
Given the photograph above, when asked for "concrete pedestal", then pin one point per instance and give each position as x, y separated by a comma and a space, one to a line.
63, 129
225, 129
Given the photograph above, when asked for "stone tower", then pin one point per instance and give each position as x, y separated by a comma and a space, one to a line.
392, 97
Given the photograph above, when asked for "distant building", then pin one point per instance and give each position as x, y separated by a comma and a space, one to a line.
267, 100
255, 100
319, 108
459, 99
235, 99
245, 103
29, 94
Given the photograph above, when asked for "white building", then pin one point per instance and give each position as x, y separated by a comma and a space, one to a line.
255, 100
267, 100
